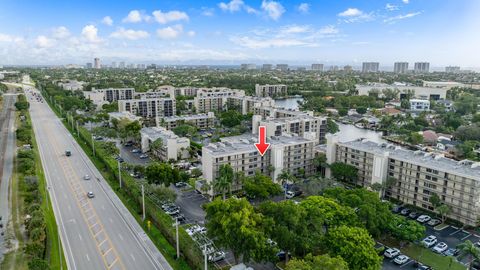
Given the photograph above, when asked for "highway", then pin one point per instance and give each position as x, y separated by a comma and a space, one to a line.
7, 149
96, 233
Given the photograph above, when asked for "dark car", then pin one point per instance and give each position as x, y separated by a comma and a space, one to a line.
180, 184
281, 255
68, 153
451, 252
413, 215
397, 209
405, 212
128, 144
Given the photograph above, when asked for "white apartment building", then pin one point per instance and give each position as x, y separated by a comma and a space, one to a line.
424, 92
71, 85
247, 104
370, 67
123, 115
400, 67
267, 67
108, 95
446, 85
317, 67
304, 125
290, 153
149, 108
214, 99
200, 121
418, 175
422, 67
419, 105
276, 112
173, 146
267, 90
282, 67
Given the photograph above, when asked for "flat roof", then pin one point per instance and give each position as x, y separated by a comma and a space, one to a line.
187, 117
425, 159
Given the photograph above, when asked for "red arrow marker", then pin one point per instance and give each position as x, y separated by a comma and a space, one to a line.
262, 144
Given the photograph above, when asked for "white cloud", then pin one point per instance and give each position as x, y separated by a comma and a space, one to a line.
391, 7
209, 12
170, 32
401, 17
304, 8
351, 12
191, 33
134, 16
44, 42
257, 43
328, 30
129, 34
171, 16
107, 20
90, 33
251, 10
273, 9
405, 1
60, 32
295, 29
232, 6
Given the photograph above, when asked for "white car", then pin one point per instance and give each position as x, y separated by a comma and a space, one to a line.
289, 194
434, 222
86, 177
429, 241
423, 218
216, 256
440, 247
192, 230
401, 259
391, 253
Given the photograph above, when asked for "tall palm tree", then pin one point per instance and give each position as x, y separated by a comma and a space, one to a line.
469, 249
223, 183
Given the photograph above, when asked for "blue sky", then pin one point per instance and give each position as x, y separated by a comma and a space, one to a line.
237, 31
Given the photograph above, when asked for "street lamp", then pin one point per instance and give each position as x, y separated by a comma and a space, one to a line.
119, 172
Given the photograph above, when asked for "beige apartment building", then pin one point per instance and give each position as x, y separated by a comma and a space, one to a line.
200, 121
291, 153
149, 108
418, 175
247, 104
214, 99
173, 147
267, 90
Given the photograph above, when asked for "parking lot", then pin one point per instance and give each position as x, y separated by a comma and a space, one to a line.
131, 158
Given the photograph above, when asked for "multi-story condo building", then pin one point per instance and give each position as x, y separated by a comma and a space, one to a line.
317, 67
247, 104
103, 96
200, 121
452, 69
267, 90
277, 112
419, 105
423, 92
172, 146
400, 67
370, 67
149, 108
267, 67
248, 66
96, 62
123, 115
422, 67
214, 99
71, 85
347, 68
282, 67
303, 125
291, 153
418, 175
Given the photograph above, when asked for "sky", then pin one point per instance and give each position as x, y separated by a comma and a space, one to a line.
442, 32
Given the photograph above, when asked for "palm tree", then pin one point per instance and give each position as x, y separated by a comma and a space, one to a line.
224, 180
469, 249
286, 177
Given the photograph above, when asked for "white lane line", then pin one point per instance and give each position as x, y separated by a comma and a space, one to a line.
103, 207
133, 257
120, 236
79, 236
111, 220
86, 256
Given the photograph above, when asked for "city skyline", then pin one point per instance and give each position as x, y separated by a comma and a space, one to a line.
234, 32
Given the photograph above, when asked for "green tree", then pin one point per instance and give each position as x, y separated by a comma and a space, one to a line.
444, 210
286, 177
162, 174
231, 118
361, 110
415, 138
344, 172
406, 230
288, 227
223, 182
38, 264
235, 225
319, 262
185, 130
435, 200
355, 246
164, 193
469, 249
260, 186
332, 127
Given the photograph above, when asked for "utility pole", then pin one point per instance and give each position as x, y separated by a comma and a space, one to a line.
78, 133
143, 202
93, 146
119, 173
176, 237
205, 255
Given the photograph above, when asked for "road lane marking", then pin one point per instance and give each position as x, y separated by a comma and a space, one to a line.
88, 258
121, 237
79, 236
133, 257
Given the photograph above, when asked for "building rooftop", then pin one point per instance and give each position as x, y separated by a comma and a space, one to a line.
154, 133
465, 168
127, 115
188, 117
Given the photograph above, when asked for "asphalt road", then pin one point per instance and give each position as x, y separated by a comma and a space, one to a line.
7, 149
97, 233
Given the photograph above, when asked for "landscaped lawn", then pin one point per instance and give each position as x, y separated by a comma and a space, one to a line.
432, 259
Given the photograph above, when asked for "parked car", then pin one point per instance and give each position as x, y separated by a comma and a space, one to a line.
181, 218
143, 156
440, 247
86, 177
180, 184
90, 194
68, 153
128, 144
192, 230
136, 150
423, 218
289, 194
413, 215
405, 211
216, 256
391, 253
429, 241
172, 211
165, 206
397, 208
402, 259
451, 252
434, 222
281, 255
423, 267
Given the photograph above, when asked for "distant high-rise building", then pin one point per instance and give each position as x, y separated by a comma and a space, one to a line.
248, 66
141, 66
267, 67
333, 68
317, 67
370, 67
114, 65
400, 67
96, 62
452, 69
422, 67
347, 68
121, 65
89, 65
152, 66
282, 67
